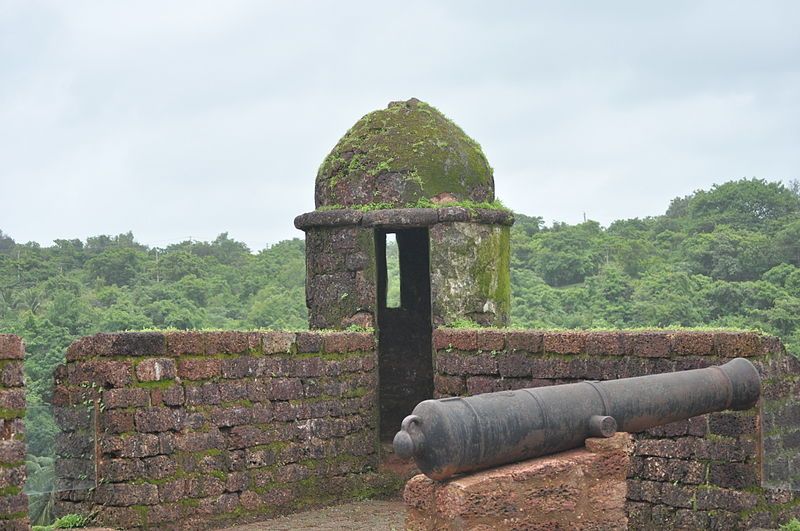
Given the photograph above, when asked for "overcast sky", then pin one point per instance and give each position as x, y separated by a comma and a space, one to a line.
176, 119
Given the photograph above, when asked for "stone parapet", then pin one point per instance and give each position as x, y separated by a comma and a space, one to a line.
578, 489
13, 502
199, 428
732, 470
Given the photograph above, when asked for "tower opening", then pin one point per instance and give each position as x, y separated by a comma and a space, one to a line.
405, 351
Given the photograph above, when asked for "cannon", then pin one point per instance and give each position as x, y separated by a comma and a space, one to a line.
454, 435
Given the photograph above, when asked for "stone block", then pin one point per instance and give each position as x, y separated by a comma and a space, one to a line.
199, 369
170, 396
11, 374
105, 373
738, 344
514, 365
91, 346
231, 342
452, 338
225, 417
158, 419
732, 424
156, 369
182, 343
200, 441
449, 385
133, 446
692, 343
551, 492
232, 391
308, 342
261, 390
202, 395
12, 451
277, 342
118, 470
11, 347
124, 398
126, 494
648, 344
491, 340
605, 344
525, 340
733, 475
726, 499
74, 445
13, 399
565, 342
137, 344
12, 504
306, 367
116, 421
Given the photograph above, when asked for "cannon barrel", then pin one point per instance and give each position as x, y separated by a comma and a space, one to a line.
454, 435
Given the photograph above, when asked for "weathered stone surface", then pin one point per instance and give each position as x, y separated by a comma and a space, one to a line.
413, 153
559, 491
199, 369
718, 452
121, 398
11, 374
11, 347
156, 369
328, 218
277, 342
470, 275
101, 373
564, 342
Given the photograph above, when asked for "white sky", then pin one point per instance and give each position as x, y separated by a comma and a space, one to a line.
189, 118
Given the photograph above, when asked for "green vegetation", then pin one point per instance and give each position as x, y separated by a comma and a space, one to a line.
791, 525
728, 257
68, 521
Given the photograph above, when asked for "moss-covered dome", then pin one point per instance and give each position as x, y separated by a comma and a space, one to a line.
401, 155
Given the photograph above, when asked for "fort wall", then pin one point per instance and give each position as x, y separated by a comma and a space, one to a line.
211, 426
727, 470
13, 502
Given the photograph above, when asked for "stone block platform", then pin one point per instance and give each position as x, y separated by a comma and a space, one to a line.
579, 489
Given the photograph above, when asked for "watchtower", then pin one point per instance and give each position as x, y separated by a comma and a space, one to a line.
410, 174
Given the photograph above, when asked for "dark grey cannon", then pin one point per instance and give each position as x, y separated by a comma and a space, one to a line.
454, 435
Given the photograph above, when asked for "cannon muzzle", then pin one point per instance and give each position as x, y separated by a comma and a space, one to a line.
454, 435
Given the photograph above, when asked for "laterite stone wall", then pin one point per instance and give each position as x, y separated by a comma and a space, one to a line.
728, 470
198, 428
13, 503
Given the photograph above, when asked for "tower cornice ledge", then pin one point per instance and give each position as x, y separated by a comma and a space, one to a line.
402, 217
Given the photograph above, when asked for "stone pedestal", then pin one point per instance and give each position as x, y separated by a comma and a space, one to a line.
579, 489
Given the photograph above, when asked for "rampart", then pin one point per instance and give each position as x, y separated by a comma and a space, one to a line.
729, 470
13, 502
210, 427
205, 427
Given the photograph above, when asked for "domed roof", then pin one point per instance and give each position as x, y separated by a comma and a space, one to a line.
403, 154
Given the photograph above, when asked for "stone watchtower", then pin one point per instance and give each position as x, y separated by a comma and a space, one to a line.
409, 173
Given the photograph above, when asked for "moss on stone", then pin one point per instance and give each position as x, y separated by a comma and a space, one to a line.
403, 154
8, 414
470, 274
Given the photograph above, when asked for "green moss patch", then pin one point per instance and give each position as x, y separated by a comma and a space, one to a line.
414, 152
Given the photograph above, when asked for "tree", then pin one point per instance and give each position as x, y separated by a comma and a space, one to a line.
567, 254
116, 265
751, 204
